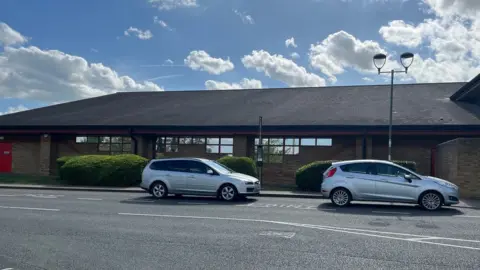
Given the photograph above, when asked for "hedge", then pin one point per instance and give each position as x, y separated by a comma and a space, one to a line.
103, 170
60, 162
243, 165
309, 177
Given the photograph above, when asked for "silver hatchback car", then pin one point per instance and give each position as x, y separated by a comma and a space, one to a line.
383, 181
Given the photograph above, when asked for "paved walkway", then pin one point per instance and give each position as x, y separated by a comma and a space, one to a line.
265, 193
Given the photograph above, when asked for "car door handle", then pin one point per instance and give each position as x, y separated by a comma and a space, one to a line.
350, 177
168, 174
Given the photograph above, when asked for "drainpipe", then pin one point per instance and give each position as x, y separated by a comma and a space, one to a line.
135, 142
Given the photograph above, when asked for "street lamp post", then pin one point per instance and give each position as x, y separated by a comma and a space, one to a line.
379, 61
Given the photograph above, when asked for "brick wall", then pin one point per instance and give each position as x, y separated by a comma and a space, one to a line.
25, 154
459, 161
413, 148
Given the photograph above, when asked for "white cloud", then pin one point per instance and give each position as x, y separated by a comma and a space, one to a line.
168, 62
463, 8
51, 75
246, 19
400, 33
342, 50
201, 60
162, 23
367, 79
173, 4
243, 84
9, 37
430, 70
14, 109
290, 43
295, 55
144, 35
279, 68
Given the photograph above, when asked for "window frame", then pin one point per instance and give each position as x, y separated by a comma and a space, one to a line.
97, 140
219, 144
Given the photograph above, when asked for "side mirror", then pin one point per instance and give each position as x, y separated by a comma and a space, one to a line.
209, 171
408, 177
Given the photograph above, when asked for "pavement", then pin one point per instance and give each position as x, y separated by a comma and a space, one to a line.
59, 229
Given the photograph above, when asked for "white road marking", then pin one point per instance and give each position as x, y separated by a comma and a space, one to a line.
192, 203
29, 208
371, 233
274, 205
278, 234
7, 195
423, 238
469, 216
90, 199
7, 269
391, 212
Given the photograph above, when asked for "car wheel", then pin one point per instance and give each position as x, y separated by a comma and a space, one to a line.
159, 190
228, 193
431, 201
341, 197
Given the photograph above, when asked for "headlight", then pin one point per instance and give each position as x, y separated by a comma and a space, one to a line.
248, 183
447, 184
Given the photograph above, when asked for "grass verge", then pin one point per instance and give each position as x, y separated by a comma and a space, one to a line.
12, 178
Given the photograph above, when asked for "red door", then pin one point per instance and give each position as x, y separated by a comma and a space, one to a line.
5, 157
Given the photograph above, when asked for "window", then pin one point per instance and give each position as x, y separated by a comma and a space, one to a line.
389, 170
159, 166
316, 142
177, 165
111, 145
197, 167
274, 149
366, 168
171, 144
219, 145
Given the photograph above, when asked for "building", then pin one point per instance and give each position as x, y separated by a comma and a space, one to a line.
300, 125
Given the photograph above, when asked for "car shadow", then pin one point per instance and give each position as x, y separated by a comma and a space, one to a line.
388, 209
187, 200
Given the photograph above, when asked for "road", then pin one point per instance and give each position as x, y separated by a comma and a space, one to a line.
96, 230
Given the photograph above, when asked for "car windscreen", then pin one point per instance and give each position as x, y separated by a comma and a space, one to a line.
218, 167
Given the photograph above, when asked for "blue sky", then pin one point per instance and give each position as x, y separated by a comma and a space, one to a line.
220, 37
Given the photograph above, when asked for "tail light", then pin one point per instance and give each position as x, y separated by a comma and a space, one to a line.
331, 172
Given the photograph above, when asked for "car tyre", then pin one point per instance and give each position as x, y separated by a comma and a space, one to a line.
228, 193
159, 190
431, 201
341, 197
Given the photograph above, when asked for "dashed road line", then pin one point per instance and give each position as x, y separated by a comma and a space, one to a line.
192, 203
469, 216
392, 212
90, 199
28, 208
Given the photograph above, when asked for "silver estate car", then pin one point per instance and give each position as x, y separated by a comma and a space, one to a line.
196, 176
383, 181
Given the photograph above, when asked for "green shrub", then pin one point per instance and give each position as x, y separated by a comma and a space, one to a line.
411, 165
243, 165
60, 162
103, 170
309, 177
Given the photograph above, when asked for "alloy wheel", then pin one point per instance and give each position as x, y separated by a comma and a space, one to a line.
431, 201
228, 193
340, 197
158, 190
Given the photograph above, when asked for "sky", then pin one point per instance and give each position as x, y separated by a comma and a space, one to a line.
54, 51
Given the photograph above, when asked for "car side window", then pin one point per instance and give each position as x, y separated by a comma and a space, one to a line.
159, 166
364, 168
177, 165
197, 167
389, 170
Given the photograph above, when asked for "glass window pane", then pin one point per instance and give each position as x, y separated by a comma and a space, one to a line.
213, 149
308, 141
116, 147
171, 148
275, 159
171, 140
226, 141
275, 150
126, 139
92, 139
185, 140
275, 141
264, 140
292, 141
292, 150
198, 140
104, 147
213, 141
116, 139
81, 139
324, 142
226, 149
127, 147
105, 139
368, 168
